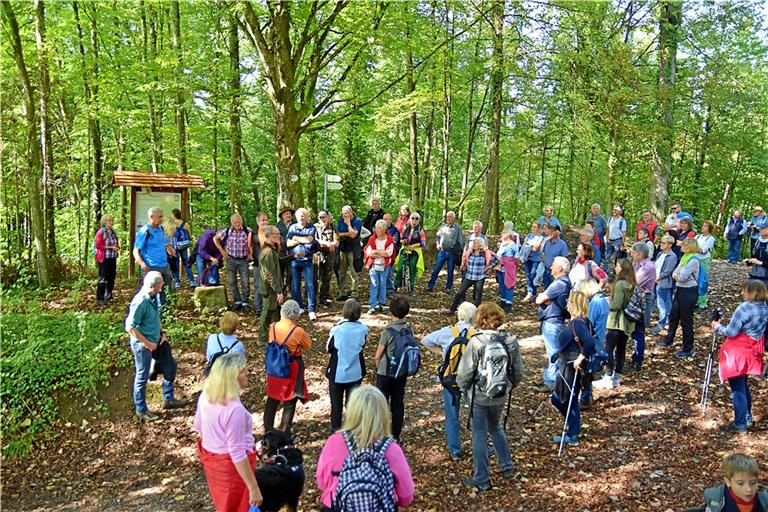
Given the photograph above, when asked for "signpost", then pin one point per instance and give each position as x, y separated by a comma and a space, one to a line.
330, 182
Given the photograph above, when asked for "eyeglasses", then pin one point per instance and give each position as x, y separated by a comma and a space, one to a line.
414, 218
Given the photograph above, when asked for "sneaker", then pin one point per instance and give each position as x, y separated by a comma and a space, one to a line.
301, 311
470, 482
664, 344
585, 404
634, 368
604, 383
509, 472
457, 456
244, 308
312, 316
428, 290
684, 354
528, 298
544, 388
731, 428
411, 294
449, 291
372, 310
570, 441
101, 302
147, 416
174, 404
616, 380
449, 312
383, 308
237, 307
655, 330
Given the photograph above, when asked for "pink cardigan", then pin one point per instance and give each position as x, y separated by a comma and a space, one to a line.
332, 459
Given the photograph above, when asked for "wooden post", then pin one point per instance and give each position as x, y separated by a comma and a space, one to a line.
131, 262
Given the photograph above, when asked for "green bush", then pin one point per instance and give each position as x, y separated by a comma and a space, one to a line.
47, 353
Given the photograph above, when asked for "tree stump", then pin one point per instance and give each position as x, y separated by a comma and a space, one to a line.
210, 298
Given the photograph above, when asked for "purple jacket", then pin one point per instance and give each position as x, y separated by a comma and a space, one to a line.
206, 247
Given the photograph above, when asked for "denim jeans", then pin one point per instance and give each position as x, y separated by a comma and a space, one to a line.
183, 255
143, 360
734, 250
530, 274
612, 249
703, 281
378, 292
664, 301
299, 269
574, 414
742, 401
257, 300
485, 421
391, 279
550, 331
638, 336
443, 257
238, 268
505, 294
452, 408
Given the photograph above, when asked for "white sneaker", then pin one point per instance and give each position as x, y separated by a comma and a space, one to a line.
301, 312
605, 383
616, 380
312, 316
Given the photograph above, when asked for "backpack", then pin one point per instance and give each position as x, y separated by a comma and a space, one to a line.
278, 358
208, 278
407, 358
222, 350
493, 374
635, 307
596, 361
183, 239
366, 483
449, 369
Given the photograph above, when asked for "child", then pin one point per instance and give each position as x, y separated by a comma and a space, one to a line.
225, 341
740, 489
475, 264
393, 388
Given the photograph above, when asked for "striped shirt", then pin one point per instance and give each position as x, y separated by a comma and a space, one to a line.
749, 318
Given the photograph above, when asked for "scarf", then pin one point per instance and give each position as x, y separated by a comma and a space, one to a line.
686, 258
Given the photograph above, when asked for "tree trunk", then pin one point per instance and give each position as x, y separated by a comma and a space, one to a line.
490, 213
254, 173
470, 132
312, 174
181, 114
702, 156
669, 24
611, 178
215, 163
447, 93
149, 34
413, 133
45, 125
33, 151
234, 115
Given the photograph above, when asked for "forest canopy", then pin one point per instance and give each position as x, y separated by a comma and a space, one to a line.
492, 108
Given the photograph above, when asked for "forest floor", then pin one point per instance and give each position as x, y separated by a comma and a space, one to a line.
644, 446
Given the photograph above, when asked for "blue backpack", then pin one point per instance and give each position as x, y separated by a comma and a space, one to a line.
278, 358
366, 483
406, 360
183, 240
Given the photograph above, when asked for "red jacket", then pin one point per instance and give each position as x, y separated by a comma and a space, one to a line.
371, 246
651, 227
100, 243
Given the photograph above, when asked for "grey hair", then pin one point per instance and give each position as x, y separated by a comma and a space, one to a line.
299, 211
235, 216
450, 212
641, 248
151, 280
351, 310
290, 310
509, 227
596, 205
380, 224
153, 211
562, 263
268, 230
105, 218
466, 312
347, 207
477, 223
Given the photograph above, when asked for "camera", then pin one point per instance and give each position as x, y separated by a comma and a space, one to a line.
716, 315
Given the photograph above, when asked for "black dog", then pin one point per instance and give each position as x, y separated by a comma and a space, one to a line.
281, 475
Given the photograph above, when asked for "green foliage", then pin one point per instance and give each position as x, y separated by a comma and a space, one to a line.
47, 354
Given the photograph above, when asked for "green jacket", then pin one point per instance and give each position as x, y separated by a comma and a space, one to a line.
269, 267
617, 320
714, 499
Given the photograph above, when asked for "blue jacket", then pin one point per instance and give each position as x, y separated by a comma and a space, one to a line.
345, 344
598, 315
716, 499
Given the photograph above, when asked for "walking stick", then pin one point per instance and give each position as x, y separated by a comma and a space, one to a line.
567, 411
717, 313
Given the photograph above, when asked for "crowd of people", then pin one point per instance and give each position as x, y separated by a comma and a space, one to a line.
589, 309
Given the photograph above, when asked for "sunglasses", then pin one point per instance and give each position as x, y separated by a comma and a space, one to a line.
414, 218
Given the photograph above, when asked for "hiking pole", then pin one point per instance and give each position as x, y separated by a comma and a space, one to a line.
568, 410
509, 403
717, 313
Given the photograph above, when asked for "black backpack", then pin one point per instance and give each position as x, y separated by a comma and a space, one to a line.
222, 350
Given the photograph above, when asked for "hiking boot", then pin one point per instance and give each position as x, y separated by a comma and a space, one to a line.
543, 388
509, 472
731, 428
372, 310
585, 404
457, 456
174, 403
470, 482
570, 441
147, 416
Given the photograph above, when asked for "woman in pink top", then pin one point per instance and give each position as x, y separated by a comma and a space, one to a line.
226, 446
368, 424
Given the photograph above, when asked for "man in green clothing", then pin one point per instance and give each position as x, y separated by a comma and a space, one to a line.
271, 285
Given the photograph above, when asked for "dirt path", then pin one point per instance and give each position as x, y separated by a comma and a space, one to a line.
645, 445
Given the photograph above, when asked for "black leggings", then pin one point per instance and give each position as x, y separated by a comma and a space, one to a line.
616, 345
286, 421
394, 392
683, 304
106, 283
339, 399
461, 295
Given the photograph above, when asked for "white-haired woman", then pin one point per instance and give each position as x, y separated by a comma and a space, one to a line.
107, 248
368, 425
378, 258
226, 445
506, 270
439, 342
293, 388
